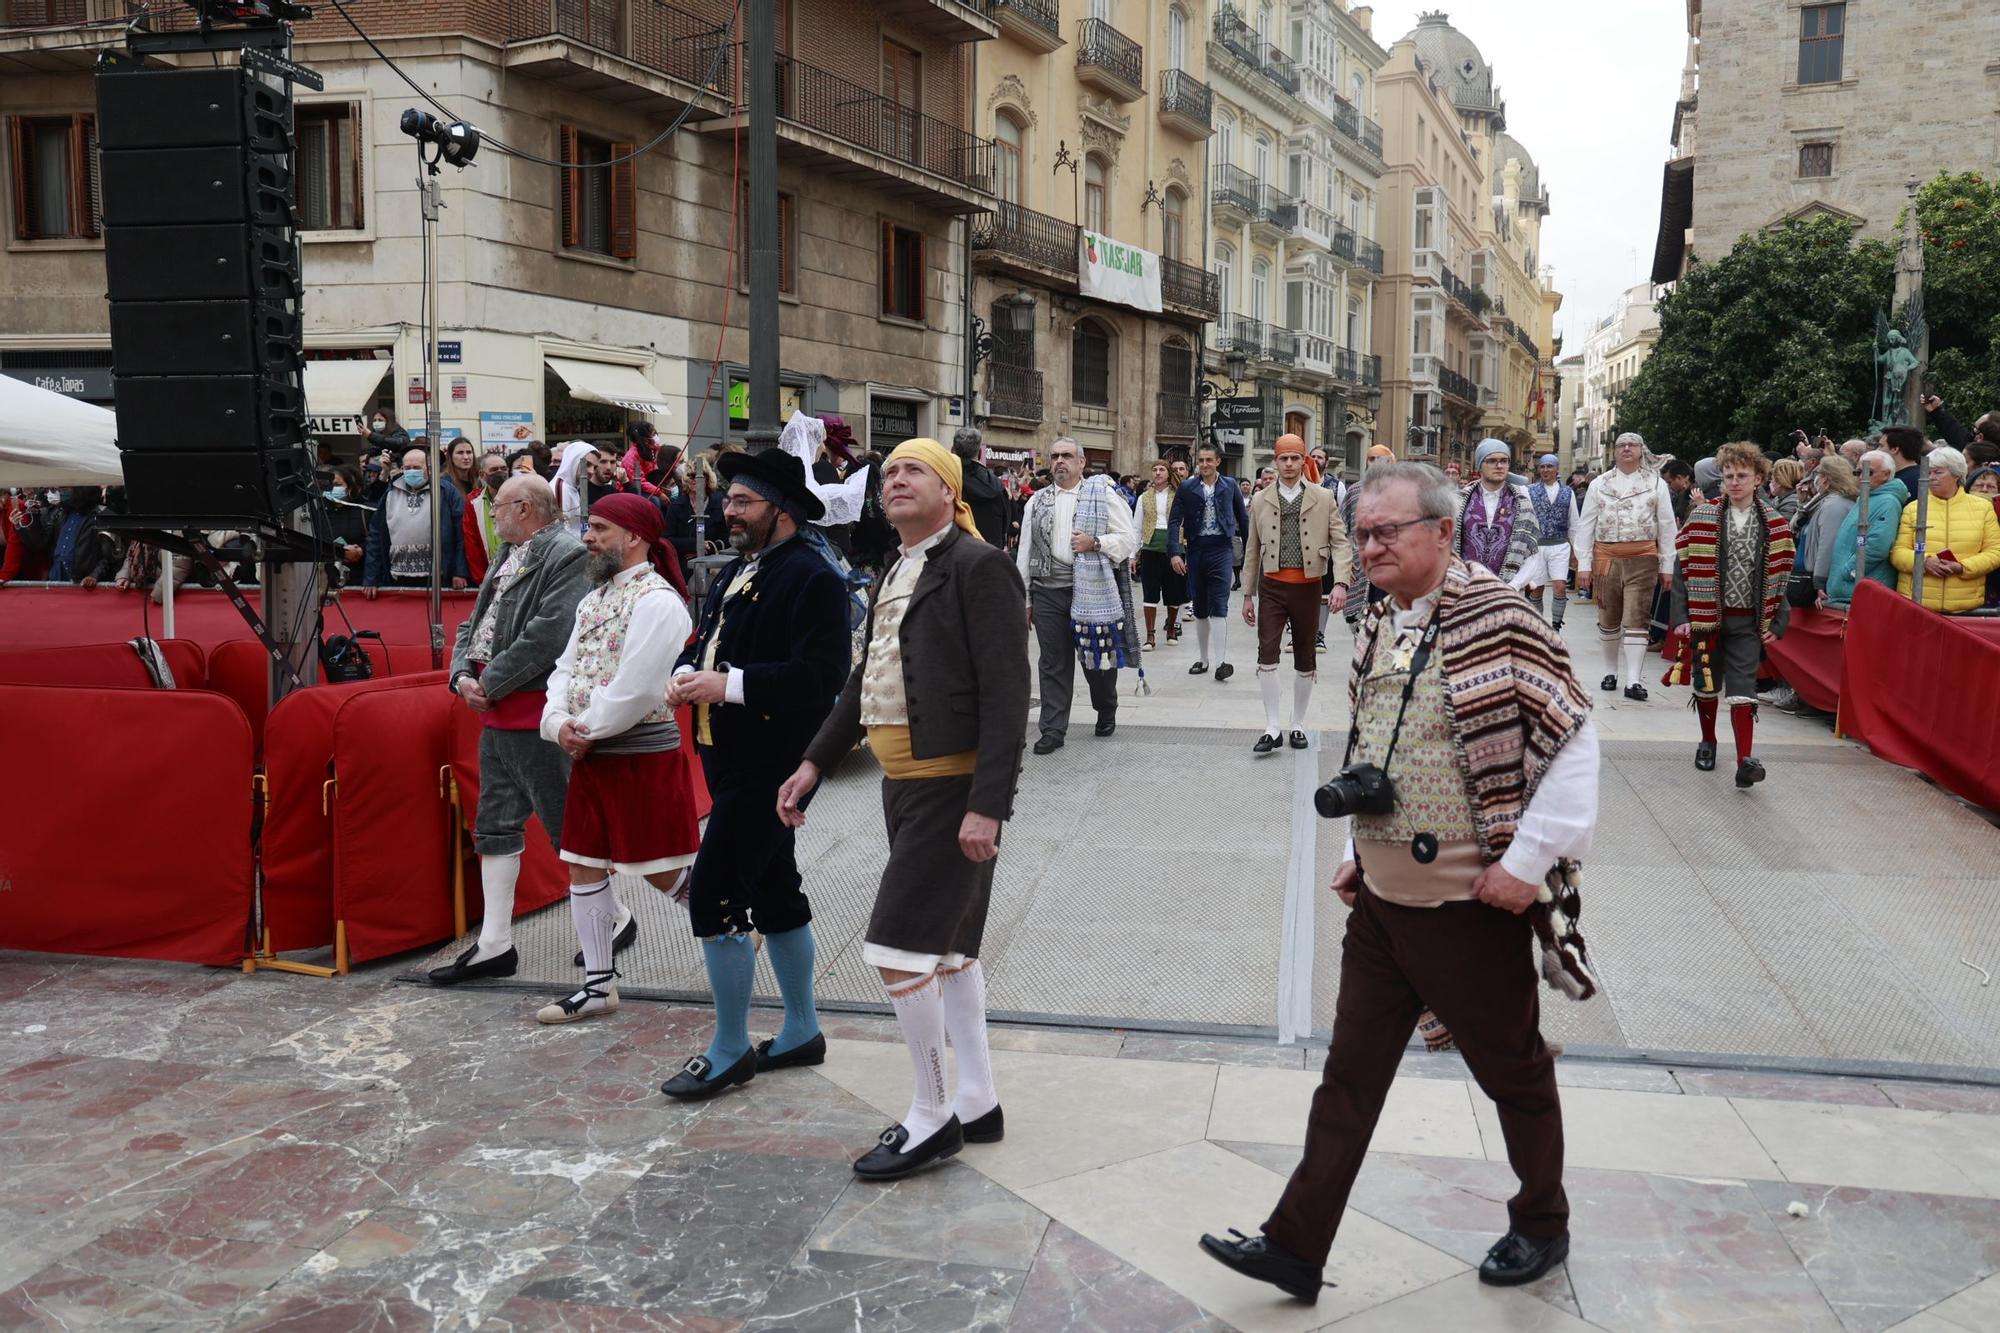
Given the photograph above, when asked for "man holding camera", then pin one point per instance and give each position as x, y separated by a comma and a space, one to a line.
1449, 845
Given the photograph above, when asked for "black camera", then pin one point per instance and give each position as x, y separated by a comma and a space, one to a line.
1360, 789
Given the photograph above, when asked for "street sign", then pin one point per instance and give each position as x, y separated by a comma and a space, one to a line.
1243, 413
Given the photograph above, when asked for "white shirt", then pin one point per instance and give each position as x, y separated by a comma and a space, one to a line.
1289, 494
884, 700
1119, 542
1490, 496
1561, 818
732, 689
654, 636
1552, 489
1627, 507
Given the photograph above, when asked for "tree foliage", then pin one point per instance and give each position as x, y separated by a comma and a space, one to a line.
1960, 217
1777, 335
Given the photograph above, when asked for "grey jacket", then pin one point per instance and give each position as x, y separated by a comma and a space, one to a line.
535, 619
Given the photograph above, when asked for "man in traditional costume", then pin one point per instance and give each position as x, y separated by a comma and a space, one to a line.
1295, 540
1075, 535
631, 799
500, 665
1463, 697
1736, 557
1624, 554
1209, 516
764, 668
1496, 520
1555, 520
939, 691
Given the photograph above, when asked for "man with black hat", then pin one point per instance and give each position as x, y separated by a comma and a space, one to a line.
764, 668
630, 807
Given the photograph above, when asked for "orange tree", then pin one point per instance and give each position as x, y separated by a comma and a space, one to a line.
1960, 217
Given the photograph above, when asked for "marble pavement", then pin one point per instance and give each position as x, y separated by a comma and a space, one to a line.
193, 1149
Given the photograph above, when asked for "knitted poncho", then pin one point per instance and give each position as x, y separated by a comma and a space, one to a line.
1703, 546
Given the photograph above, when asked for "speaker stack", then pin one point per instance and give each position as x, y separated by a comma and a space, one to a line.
203, 278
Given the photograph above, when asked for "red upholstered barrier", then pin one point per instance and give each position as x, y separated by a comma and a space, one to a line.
241, 669
391, 831
544, 879
53, 617
1809, 655
1919, 691
102, 664
83, 849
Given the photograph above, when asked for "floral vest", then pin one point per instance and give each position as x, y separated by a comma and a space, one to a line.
601, 618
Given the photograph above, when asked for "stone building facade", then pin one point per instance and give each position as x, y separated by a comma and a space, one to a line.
1613, 351
1794, 107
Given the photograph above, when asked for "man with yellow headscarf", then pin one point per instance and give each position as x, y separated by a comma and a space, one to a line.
940, 691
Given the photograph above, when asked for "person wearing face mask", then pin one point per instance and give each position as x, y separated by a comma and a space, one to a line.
347, 519
384, 432
482, 533
84, 553
399, 540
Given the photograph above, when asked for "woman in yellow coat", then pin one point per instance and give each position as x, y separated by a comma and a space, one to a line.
1961, 541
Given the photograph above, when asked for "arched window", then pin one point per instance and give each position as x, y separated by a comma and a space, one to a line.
1008, 157
1173, 223
1090, 364
1225, 137
1356, 87
1093, 193
1177, 30
1260, 159
1260, 289
1225, 279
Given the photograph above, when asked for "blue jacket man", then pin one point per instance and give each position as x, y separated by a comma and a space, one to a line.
1208, 517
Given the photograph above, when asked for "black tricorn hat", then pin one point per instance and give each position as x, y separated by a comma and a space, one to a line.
780, 471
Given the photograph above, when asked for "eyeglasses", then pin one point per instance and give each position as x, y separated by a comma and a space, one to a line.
1386, 533
738, 503
509, 504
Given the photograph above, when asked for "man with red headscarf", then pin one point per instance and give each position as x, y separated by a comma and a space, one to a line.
631, 806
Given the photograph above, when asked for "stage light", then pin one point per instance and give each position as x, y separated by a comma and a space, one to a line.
457, 142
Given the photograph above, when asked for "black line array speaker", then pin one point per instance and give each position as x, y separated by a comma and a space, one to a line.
203, 277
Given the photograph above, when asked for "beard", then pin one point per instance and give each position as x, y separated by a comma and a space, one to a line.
748, 539
602, 566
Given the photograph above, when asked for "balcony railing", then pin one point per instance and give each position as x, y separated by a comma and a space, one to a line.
1368, 254
1238, 37
43, 13
1187, 98
1178, 415
1013, 391
1457, 385
1527, 343
660, 37
1188, 287
1033, 238
1238, 189
1041, 16
1280, 69
1457, 288
1118, 62
811, 97
1243, 336
1316, 353
1371, 371
1364, 132
1281, 346
1278, 209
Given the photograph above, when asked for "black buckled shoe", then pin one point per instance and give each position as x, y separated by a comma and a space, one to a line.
1224, 672
812, 1051
1610, 682
989, 1128
620, 942
1048, 743
1298, 740
693, 1084
464, 969
1107, 723
1750, 772
887, 1160
1636, 692
1267, 743
1515, 1259
1198, 669
1704, 756
1256, 1256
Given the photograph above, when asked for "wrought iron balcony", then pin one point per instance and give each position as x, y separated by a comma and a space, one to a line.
1237, 191
659, 38
1347, 365
1036, 24
1186, 103
1238, 37
43, 13
1364, 133
1109, 61
1177, 416
1527, 343
1186, 287
1457, 385
1281, 346
1371, 371
1277, 210
1243, 336
811, 97
1014, 392
1368, 254
1280, 69
1023, 236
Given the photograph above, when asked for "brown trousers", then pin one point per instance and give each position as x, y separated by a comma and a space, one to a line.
1473, 965
1297, 604
1624, 593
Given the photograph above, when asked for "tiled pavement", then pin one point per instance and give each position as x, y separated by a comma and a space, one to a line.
191, 1149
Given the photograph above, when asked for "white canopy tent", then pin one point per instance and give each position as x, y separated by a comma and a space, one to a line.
47, 439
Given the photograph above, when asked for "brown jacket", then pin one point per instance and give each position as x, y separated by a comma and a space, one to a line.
1321, 533
965, 671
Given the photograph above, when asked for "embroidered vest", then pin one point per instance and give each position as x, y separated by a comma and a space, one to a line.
1291, 546
601, 619
1552, 515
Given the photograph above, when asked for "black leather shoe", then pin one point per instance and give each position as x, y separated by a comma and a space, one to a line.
464, 969
693, 1084
809, 1052
1198, 669
1256, 1256
1610, 682
1749, 773
1636, 692
1224, 672
1107, 723
1516, 1259
1704, 756
1267, 743
1048, 744
887, 1160
620, 942
989, 1128
1298, 740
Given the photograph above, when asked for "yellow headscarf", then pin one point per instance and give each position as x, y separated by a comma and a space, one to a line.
945, 463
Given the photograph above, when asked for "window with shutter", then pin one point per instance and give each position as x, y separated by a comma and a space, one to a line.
788, 244
52, 161
902, 272
570, 203
624, 187
598, 201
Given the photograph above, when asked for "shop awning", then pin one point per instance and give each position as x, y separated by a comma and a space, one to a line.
619, 386
342, 388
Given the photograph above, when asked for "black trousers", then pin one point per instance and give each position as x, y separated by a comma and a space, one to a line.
746, 873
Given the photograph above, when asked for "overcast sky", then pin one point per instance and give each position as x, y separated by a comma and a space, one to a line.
1590, 87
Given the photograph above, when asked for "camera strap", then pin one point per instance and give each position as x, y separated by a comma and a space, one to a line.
1418, 661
